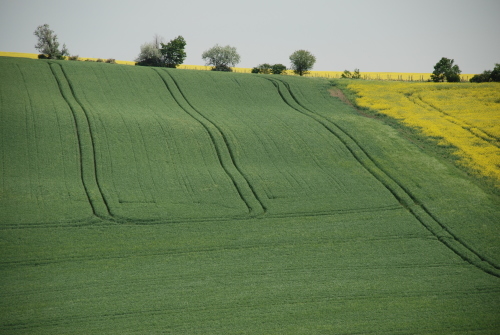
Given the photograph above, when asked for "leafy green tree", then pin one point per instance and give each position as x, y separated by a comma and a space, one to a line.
268, 69
302, 61
444, 69
487, 75
48, 44
263, 68
221, 58
173, 52
278, 69
495, 74
481, 78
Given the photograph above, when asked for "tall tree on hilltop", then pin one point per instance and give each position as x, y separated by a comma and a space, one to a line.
221, 58
173, 52
48, 44
302, 61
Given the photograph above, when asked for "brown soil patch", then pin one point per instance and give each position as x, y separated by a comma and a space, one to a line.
336, 92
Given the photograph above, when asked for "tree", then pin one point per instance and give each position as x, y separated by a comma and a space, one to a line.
444, 69
221, 58
302, 61
157, 53
150, 55
349, 75
48, 44
263, 68
481, 78
278, 69
495, 74
487, 75
268, 69
173, 53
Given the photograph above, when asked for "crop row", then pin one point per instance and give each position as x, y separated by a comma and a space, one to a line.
464, 116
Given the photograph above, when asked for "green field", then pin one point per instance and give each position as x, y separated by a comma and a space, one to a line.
147, 200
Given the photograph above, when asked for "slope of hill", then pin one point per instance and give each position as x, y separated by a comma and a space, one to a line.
156, 200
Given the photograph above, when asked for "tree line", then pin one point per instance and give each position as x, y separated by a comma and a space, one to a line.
172, 54
223, 58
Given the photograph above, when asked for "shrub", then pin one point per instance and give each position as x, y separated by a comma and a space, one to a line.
74, 57
222, 67
278, 69
495, 74
221, 58
111, 61
348, 75
268, 69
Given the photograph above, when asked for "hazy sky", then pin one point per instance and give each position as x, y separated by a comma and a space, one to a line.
377, 35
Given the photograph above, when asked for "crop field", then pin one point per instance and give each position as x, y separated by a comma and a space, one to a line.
389, 76
153, 200
465, 116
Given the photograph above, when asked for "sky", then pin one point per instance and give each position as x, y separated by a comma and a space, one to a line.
371, 35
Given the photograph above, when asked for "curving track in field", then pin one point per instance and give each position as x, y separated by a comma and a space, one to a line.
443, 233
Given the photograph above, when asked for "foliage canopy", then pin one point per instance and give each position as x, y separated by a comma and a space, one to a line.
444, 69
302, 61
221, 58
487, 75
269, 69
173, 52
48, 44
157, 53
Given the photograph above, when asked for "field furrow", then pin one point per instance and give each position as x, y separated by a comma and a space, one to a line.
465, 250
86, 148
155, 200
220, 143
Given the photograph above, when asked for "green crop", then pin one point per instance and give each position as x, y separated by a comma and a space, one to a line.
144, 200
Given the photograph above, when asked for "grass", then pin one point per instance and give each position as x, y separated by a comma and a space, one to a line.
464, 116
142, 200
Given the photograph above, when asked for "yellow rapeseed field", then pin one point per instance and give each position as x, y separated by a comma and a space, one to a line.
464, 115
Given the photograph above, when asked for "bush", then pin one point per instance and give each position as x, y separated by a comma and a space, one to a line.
487, 75
222, 67
495, 74
348, 75
111, 61
268, 69
262, 68
75, 57
221, 58
278, 69
481, 78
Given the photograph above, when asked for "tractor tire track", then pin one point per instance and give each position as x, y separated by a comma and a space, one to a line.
479, 133
223, 149
86, 147
400, 192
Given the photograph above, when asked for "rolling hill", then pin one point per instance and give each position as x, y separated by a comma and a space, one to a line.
151, 200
